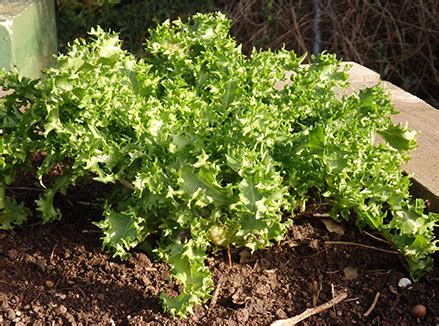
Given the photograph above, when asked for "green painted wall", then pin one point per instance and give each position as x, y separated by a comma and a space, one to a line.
27, 35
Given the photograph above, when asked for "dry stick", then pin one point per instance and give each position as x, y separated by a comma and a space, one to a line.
52, 253
215, 293
77, 287
310, 311
229, 256
352, 299
25, 188
86, 203
356, 244
372, 306
126, 183
36, 298
375, 237
90, 231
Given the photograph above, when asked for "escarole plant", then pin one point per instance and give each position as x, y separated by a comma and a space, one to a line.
197, 148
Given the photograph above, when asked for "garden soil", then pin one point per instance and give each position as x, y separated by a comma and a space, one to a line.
58, 274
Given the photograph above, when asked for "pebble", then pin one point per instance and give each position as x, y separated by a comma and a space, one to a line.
100, 296
418, 311
41, 264
60, 295
10, 314
70, 318
61, 309
350, 273
280, 314
404, 283
36, 308
49, 284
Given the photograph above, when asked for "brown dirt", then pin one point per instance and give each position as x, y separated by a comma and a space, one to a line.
58, 273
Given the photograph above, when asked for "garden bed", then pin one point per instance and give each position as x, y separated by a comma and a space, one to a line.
58, 273
189, 155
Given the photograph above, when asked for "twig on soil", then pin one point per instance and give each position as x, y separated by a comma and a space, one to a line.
372, 306
229, 256
215, 293
126, 183
375, 237
356, 244
83, 203
52, 253
352, 299
315, 297
378, 271
90, 231
80, 290
4, 282
56, 283
270, 271
25, 188
332, 272
332, 290
310, 311
88, 204
36, 298
31, 225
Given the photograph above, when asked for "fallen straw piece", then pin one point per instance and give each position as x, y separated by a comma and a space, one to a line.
356, 244
310, 311
372, 306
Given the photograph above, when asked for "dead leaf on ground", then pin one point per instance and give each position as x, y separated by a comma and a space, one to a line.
333, 227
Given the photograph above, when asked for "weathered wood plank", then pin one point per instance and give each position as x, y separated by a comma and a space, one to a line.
420, 116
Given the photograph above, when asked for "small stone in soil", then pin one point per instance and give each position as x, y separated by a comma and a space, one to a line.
49, 284
10, 314
404, 283
70, 318
418, 311
350, 273
281, 314
60, 295
36, 308
61, 309
41, 264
